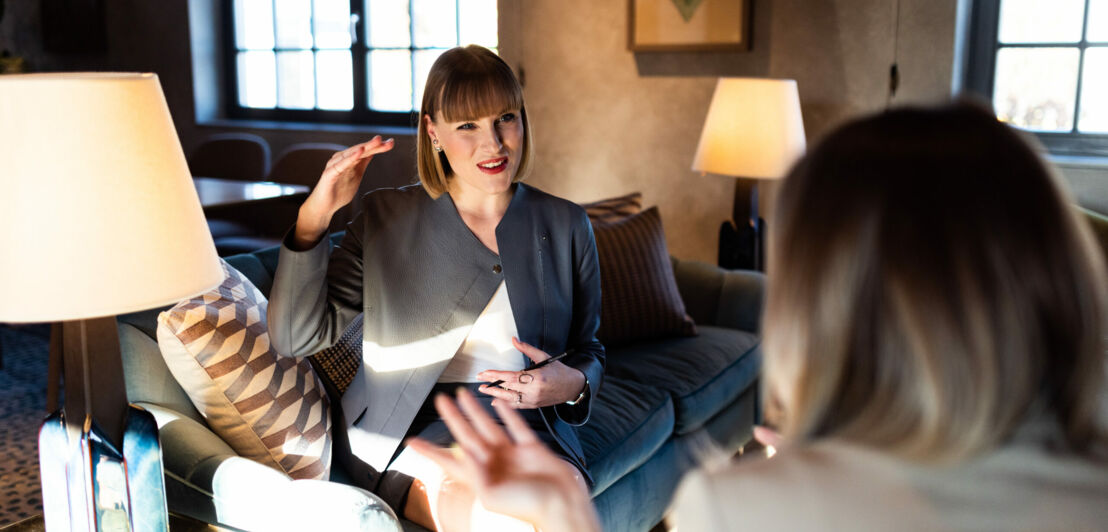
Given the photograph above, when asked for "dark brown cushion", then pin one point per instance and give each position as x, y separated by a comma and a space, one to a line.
612, 210
640, 300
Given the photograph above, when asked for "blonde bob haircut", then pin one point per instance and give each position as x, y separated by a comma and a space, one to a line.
467, 83
931, 290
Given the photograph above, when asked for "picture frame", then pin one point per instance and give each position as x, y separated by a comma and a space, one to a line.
689, 25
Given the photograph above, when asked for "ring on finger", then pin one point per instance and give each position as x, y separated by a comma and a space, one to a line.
528, 379
519, 398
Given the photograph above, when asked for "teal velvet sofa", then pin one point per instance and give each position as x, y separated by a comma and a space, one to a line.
664, 406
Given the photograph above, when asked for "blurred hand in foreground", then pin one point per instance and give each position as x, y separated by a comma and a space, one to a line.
511, 472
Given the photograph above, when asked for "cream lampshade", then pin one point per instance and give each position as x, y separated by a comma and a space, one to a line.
753, 131
100, 218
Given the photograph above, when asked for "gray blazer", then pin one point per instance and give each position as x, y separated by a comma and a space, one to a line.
421, 278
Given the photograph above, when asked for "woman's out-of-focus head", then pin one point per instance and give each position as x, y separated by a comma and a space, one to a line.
467, 83
930, 288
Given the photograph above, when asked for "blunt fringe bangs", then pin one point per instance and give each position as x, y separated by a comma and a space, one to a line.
466, 83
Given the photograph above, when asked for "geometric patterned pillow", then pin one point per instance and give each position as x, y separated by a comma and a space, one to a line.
268, 408
612, 210
640, 300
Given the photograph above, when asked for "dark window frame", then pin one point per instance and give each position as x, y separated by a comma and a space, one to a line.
361, 114
981, 71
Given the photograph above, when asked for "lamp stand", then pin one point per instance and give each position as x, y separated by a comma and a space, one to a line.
741, 240
100, 459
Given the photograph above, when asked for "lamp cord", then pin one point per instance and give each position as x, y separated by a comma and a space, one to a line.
894, 69
85, 374
519, 41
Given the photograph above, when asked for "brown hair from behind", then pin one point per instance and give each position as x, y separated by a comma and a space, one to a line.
931, 289
467, 83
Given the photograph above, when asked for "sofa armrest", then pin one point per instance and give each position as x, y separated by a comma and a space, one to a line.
190, 450
1099, 224
725, 298
238, 492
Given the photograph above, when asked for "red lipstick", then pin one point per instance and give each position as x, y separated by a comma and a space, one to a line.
493, 166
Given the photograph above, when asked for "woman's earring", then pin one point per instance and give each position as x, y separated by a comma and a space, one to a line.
436, 144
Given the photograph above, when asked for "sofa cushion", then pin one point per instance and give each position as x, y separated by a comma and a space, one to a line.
268, 408
640, 297
612, 210
703, 374
628, 424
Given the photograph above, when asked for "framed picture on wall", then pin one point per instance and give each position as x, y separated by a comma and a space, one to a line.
689, 25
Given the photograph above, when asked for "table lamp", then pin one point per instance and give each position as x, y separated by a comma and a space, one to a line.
753, 131
100, 218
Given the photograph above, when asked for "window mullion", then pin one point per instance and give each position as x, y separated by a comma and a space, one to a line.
315, 54
359, 62
230, 57
276, 63
1081, 66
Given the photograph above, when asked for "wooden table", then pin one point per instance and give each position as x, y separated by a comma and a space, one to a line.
219, 193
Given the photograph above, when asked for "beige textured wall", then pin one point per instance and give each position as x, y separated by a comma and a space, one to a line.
608, 121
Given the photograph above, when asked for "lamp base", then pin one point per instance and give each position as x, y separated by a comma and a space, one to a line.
740, 240
88, 483
99, 457
740, 247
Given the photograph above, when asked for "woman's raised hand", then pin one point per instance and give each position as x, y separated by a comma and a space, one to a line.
550, 385
336, 187
512, 472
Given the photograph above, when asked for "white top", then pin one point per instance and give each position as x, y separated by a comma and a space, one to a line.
489, 343
838, 486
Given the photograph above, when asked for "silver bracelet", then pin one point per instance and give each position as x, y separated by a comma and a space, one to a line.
580, 397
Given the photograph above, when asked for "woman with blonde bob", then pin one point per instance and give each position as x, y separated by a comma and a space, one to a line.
934, 341
467, 279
